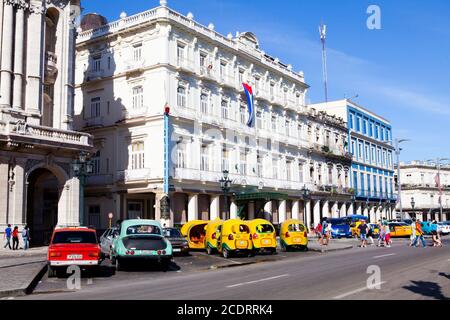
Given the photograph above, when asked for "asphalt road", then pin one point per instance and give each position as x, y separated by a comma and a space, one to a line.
405, 273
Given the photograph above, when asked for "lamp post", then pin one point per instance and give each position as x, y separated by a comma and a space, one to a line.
399, 185
306, 196
82, 168
413, 204
225, 185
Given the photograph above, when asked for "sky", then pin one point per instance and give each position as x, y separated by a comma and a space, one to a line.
401, 71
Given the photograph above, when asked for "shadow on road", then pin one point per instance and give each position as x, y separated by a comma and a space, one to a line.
445, 275
427, 289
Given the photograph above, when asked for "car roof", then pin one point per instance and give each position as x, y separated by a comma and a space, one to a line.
78, 229
141, 222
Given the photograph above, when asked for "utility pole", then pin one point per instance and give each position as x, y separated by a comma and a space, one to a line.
323, 37
438, 167
399, 184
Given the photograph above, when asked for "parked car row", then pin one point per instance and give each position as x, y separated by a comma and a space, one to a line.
237, 236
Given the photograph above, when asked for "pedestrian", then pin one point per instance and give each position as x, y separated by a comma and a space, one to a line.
15, 238
387, 235
434, 232
370, 234
26, 237
325, 231
413, 233
329, 231
363, 233
318, 231
419, 235
7, 236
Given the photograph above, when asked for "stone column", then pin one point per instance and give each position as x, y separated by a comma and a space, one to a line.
251, 210
325, 209
358, 208
308, 217
69, 203
372, 214
18, 59
334, 210
34, 60
1, 30
351, 208
268, 209
7, 55
233, 210
343, 211
17, 212
214, 207
316, 209
4, 190
282, 212
295, 209
193, 207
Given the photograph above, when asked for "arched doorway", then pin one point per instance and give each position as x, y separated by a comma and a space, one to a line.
42, 205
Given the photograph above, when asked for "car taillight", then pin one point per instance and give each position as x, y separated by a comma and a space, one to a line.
130, 252
93, 254
255, 236
305, 234
159, 252
55, 254
214, 236
230, 237
287, 235
164, 252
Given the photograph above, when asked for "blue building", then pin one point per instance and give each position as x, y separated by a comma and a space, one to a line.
371, 144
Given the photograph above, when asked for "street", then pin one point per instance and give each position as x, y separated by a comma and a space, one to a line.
406, 273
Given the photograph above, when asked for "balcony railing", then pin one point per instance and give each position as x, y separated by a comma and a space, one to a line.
133, 65
133, 175
185, 64
135, 112
92, 75
25, 132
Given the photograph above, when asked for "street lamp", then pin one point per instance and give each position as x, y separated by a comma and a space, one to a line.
82, 168
225, 185
399, 185
413, 204
306, 196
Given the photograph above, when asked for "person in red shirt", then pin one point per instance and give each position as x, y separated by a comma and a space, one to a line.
15, 238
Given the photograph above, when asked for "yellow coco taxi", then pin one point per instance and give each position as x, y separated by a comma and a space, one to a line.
235, 238
400, 229
213, 231
293, 235
194, 232
263, 235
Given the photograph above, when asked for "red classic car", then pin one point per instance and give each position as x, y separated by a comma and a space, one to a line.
73, 246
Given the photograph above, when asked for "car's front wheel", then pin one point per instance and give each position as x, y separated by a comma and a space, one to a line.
51, 272
225, 253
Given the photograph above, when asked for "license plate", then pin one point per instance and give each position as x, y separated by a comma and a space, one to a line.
242, 244
74, 256
176, 250
266, 241
297, 240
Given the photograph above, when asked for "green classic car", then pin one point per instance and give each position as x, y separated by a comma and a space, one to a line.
140, 240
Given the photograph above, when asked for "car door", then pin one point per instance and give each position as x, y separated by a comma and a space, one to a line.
103, 240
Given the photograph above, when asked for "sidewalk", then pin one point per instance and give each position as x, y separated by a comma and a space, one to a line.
19, 269
334, 245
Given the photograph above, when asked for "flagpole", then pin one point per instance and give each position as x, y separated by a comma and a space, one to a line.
323, 32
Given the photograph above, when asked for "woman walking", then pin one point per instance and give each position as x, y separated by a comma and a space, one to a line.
15, 238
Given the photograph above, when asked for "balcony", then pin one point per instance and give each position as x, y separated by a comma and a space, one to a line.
134, 65
94, 122
135, 112
93, 75
99, 180
28, 135
133, 175
185, 65
226, 80
207, 73
51, 68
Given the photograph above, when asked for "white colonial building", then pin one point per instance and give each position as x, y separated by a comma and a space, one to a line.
420, 189
129, 70
37, 146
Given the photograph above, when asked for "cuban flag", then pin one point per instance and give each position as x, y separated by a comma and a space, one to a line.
251, 107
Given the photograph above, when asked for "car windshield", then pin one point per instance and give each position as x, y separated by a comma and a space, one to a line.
264, 228
296, 227
339, 222
143, 230
74, 237
172, 233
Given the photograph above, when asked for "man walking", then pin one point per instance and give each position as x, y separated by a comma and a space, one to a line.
419, 235
7, 236
26, 237
363, 233
413, 234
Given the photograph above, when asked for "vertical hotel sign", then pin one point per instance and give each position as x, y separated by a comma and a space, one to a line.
250, 103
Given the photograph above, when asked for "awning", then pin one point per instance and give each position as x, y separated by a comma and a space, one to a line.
266, 196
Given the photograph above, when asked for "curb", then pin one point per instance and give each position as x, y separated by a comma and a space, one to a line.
330, 250
27, 289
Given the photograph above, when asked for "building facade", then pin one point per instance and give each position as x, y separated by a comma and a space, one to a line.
372, 173
422, 196
37, 144
129, 70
